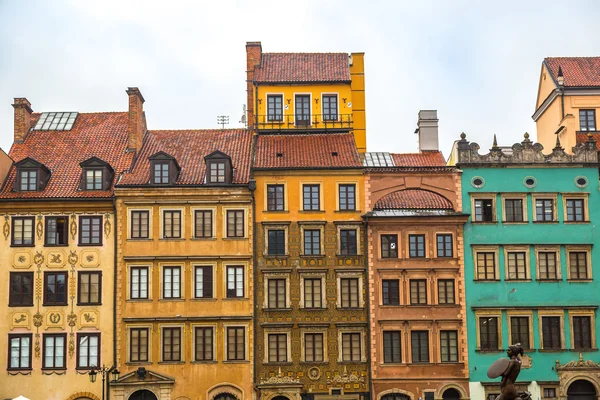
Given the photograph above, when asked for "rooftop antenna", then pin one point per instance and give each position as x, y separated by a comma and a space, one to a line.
222, 120
243, 119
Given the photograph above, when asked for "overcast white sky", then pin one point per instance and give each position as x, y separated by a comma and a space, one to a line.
477, 64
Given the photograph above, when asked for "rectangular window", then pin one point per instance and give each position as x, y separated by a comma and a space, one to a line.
392, 352
88, 350
138, 344
90, 231
93, 179
236, 345
575, 210
349, 295
274, 108
444, 245
351, 347
172, 224
486, 266
389, 246
28, 180
90, 288
312, 293
203, 227
302, 103
22, 231
235, 223
578, 265
330, 107
57, 231
204, 282
171, 282
551, 333
446, 291
416, 246
311, 197
312, 242
216, 171
549, 393
161, 173
54, 351
277, 293
276, 245
235, 281
418, 291
390, 289
19, 350
140, 222
517, 265
277, 347
488, 333
547, 265
484, 210
449, 346
204, 344
55, 288
347, 195
544, 210
513, 210
587, 120
275, 200
139, 282
420, 346
313, 347
519, 331
348, 245
171, 344
21, 289
582, 333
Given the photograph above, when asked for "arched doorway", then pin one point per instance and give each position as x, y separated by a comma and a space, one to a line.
225, 396
280, 398
451, 394
395, 396
143, 395
581, 390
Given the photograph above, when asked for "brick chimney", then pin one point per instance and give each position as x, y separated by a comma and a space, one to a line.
253, 58
135, 130
427, 128
23, 112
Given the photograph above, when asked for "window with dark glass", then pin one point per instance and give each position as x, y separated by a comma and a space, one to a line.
57, 231
171, 282
139, 282
312, 242
28, 179
140, 222
216, 171
236, 344
347, 195
351, 350
274, 108
171, 224
312, 293
88, 350
547, 265
21, 289
349, 295
519, 331
418, 291
446, 291
392, 351
55, 288
486, 266
54, 351
204, 344
416, 246
544, 210
161, 173
513, 210
517, 265
89, 288
575, 210
389, 246
348, 242
449, 346
171, 344
484, 210
93, 179
235, 281
235, 223
582, 333
276, 293
204, 282
19, 351
275, 200
302, 103
138, 344
276, 245
90, 231
578, 268
313, 347
444, 245
310, 197
390, 292
488, 333
420, 346
203, 220
330, 107
277, 347
549, 393
551, 333
22, 231
587, 120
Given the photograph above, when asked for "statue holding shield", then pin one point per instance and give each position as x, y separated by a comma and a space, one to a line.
509, 371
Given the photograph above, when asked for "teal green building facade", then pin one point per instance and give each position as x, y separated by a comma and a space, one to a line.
532, 260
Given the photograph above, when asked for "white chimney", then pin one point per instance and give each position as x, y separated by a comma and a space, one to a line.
427, 128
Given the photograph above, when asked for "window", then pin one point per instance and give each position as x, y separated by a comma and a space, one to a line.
90, 231
93, 179
90, 288
54, 351
28, 180
416, 246
277, 347
139, 283
544, 210
313, 347
138, 344
140, 222
348, 246
276, 245
57, 231
549, 393
446, 291
449, 346
312, 242
55, 288
351, 347
235, 281
171, 344
392, 352
22, 228
302, 103
311, 197
21, 289
347, 195
330, 107
582, 337
547, 265
389, 246
216, 170
444, 245
513, 210
204, 344
390, 289
275, 200
274, 108
172, 224
161, 173
276, 293
88, 350
349, 295
312, 293
19, 350
587, 120
235, 223
171, 282
551, 333
578, 265
486, 266
488, 333
517, 266
519, 331
204, 282
236, 337
575, 210
420, 346
484, 210
203, 227
418, 291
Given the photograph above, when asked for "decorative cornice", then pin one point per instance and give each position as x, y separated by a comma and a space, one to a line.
345, 377
577, 365
279, 379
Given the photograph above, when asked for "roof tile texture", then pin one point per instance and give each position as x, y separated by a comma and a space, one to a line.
414, 199
422, 159
302, 67
577, 71
583, 137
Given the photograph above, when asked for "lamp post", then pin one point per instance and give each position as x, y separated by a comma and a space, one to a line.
104, 371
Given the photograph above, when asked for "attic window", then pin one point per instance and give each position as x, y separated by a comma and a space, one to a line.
31, 176
218, 168
334, 153
164, 169
56, 121
96, 174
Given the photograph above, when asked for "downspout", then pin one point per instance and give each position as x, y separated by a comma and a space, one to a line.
366, 241
255, 108
252, 187
562, 103
114, 296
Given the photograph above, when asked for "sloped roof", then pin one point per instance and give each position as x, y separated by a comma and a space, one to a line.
577, 71
583, 138
413, 199
189, 147
422, 159
302, 67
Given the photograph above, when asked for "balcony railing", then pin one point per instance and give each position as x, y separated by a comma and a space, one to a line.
304, 122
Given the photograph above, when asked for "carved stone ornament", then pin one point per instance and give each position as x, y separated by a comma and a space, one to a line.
56, 259
345, 377
107, 225
71, 344
38, 258
6, 228
39, 227
73, 228
72, 319
37, 348
73, 257
279, 379
314, 373
38, 319
578, 365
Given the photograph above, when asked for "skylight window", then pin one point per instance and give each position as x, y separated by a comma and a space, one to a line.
378, 160
56, 121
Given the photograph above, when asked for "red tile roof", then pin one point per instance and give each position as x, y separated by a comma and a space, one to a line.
302, 67
583, 137
577, 71
413, 199
321, 150
422, 159
189, 147
103, 135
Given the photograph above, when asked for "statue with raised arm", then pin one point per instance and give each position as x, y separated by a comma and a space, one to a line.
509, 371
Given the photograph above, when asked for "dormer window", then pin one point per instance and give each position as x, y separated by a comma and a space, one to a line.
164, 169
96, 174
93, 179
28, 179
218, 168
31, 175
217, 172
161, 173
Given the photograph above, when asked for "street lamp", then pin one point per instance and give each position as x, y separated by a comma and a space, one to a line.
104, 371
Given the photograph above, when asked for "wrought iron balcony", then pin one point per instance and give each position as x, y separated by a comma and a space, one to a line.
304, 122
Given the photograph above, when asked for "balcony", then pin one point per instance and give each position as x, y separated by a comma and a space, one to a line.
305, 122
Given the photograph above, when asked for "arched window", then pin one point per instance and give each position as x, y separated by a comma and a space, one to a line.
395, 396
451, 394
225, 396
143, 395
581, 390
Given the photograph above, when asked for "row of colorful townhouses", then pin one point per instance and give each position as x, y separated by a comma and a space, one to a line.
283, 261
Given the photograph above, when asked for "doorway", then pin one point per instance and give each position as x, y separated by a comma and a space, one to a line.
143, 395
581, 390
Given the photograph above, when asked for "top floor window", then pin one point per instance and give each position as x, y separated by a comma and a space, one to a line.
587, 120
330, 107
311, 197
31, 175
93, 179
28, 179
217, 172
164, 169
161, 173
544, 210
274, 107
275, 200
218, 167
97, 174
302, 109
347, 197
484, 210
